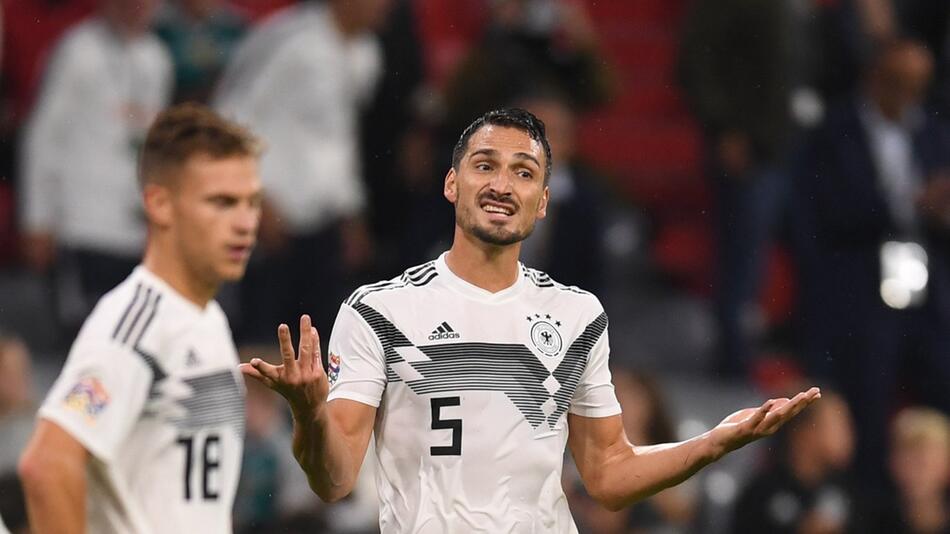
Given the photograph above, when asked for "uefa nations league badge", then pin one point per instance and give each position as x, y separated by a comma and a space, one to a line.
544, 334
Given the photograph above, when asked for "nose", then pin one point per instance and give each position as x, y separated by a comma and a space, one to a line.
501, 182
247, 220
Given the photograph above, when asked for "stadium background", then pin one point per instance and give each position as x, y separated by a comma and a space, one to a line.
641, 224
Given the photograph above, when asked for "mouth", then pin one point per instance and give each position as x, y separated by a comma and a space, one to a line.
239, 252
498, 209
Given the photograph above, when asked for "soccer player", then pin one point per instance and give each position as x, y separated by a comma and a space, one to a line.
146, 420
475, 371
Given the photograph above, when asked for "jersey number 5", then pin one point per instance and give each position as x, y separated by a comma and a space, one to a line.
210, 461
455, 449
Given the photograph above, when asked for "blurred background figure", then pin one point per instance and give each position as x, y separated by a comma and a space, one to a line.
79, 209
273, 493
805, 487
300, 80
16, 401
734, 70
647, 421
200, 35
526, 43
568, 243
877, 173
16, 425
920, 471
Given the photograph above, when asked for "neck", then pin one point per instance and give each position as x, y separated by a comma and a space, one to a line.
174, 271
344, 23
490, 267
928, 513
806, 466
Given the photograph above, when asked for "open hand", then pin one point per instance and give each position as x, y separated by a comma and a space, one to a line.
302, 381
750, 424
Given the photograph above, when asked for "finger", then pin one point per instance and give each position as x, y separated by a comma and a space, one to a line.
268, 371
249, 371
317, 360
756, 418
305, 348
286, 347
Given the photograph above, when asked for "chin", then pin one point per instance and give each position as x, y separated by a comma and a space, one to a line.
231, 273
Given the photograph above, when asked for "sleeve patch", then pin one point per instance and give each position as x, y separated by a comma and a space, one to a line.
88, 397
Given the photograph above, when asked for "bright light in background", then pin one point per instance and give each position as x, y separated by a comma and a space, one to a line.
721, 487
904, 274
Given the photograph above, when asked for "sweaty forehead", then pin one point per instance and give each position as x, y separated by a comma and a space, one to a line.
504, 139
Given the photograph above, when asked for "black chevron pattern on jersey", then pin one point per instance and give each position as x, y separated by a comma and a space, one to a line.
542, 279
216, 400
568, 372
416, 276
389, 337
508, 367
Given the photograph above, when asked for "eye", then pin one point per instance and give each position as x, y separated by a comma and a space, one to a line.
483, 166
526, 174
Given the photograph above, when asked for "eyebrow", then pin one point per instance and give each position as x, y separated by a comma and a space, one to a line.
491, 152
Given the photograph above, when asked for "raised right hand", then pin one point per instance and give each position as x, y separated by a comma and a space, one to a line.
302, 381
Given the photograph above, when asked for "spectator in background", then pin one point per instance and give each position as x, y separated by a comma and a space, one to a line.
272, 491
647, 421
80, 207
568, 243
200, 34
877, 173
300, 80
733, 67
805, 489
528, 42
920, 469
16, 401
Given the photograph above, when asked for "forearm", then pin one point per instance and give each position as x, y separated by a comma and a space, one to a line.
55, 499
326, 458
633, 473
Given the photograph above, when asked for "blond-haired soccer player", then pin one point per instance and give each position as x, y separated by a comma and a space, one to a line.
471, 369
146, 421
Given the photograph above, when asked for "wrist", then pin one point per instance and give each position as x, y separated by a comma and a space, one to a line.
310, 416
713, 445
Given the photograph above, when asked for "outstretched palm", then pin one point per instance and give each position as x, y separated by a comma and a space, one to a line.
750, 424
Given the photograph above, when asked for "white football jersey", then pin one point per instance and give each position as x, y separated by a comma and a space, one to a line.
152, 390
473, 390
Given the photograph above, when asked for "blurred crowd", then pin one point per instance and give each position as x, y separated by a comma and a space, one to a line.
783, 165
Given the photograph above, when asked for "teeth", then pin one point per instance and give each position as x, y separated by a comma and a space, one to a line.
495, 209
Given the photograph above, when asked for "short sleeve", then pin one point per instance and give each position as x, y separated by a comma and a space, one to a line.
99, 396
594, 396
356, 365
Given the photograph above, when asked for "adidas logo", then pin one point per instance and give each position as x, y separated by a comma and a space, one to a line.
443, 331
192, 359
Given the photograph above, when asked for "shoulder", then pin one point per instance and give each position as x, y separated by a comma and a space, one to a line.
544, 283
79, 43
121, 318
410, 281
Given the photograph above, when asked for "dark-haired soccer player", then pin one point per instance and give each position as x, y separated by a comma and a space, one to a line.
475, 371
146, 420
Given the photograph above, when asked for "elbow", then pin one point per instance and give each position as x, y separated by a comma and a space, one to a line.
33, 471
332, 494
611, 500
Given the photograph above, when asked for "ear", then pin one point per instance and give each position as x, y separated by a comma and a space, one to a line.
158, 205
450, 189
543, 203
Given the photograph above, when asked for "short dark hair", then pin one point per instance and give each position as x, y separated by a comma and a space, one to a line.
187, 130
510, 118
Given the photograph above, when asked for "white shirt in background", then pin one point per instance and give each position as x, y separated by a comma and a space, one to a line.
298, 83
99, 95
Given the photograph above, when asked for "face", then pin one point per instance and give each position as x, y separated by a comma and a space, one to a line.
834, 431
498, 189
902, 80
921, 467
213, 211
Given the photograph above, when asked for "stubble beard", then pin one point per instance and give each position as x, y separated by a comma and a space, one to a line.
491, 235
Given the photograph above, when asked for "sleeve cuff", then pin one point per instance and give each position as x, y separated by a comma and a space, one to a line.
354, 396
78, 432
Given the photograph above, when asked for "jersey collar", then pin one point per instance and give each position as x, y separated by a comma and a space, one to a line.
474, 292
